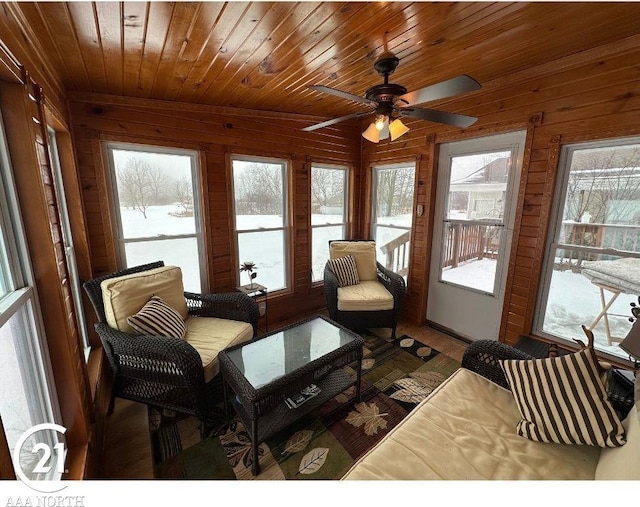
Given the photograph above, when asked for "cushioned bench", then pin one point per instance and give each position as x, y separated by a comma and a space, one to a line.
466, 430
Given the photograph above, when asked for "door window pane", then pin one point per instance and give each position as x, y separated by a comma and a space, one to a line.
470, 255
593, 260
328, 213
261, 221
157, 201
393, 214
474, 219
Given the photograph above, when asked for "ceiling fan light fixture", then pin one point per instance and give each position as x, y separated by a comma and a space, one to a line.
380, 121
372, 133
397, 128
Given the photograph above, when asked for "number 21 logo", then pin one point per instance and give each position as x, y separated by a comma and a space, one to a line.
58, 453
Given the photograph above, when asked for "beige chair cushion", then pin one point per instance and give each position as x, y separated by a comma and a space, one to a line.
465, 430
364, 252
125, 295
210, 335
365, 296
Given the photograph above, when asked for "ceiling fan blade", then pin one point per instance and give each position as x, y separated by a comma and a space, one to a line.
457, 120
344, 95
448, 88
335, 120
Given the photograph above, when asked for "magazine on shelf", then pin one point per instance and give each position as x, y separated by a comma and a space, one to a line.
295, 400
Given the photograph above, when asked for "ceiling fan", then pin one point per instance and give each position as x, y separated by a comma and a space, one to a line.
389, 100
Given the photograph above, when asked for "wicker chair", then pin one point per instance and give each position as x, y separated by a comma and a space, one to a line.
166, 372
393, 282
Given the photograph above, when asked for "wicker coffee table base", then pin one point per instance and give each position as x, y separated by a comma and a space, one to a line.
265, 426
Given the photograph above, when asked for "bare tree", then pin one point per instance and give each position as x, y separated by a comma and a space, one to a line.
259, 189
604, 184
184, 196
395, 191
140, 185
327, 188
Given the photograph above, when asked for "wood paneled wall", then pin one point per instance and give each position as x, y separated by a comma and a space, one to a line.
588, 96
217, 133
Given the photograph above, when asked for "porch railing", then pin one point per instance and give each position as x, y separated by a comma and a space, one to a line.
467, 241
619, 237
463, 242
396, 252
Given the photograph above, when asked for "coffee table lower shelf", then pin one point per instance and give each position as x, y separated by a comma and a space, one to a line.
282, 416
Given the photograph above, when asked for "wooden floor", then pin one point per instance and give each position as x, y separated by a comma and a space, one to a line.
128, 449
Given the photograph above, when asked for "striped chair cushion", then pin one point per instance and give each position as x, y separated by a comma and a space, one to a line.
563, 400
345, 270
157, 318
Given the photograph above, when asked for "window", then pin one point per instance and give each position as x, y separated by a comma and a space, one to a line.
593, 253
67, 239
329, 213
393, 188
157, 208
261, 219
28, 395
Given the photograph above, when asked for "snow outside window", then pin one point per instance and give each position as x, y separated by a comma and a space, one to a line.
592, 268
329, 198
158, 212
393, 188
261, 220
28, 396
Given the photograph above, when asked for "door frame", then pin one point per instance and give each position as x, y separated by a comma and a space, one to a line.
506, 250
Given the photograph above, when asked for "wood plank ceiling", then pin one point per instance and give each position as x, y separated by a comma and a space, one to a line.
261, 55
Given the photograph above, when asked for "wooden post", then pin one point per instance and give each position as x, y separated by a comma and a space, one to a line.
456, 245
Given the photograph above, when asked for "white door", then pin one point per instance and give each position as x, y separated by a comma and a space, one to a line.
473, 227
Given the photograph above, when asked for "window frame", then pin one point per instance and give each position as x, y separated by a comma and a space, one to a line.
286, 219
65, 226
552, 240
21, 295
120, 242
346, 207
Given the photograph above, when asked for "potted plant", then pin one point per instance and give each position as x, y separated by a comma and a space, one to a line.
249, 267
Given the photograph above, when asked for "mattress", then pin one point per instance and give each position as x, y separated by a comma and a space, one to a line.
621, 274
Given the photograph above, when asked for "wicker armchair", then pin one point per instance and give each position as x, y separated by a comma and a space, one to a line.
166, 372
482, 357
392, 282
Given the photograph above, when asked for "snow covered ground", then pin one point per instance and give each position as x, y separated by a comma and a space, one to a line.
477, 274
573, 301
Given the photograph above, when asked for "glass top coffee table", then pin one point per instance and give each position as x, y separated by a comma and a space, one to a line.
258, 376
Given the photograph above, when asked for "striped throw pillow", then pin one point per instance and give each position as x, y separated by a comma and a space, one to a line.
563, 400
157, 318
345, 270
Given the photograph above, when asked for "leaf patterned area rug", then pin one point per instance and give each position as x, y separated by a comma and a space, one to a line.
325, 443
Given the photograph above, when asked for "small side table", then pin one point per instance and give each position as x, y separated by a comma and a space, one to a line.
257, 292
